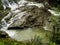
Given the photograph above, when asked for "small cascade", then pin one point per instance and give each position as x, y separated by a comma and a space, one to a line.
5, 3
55, 13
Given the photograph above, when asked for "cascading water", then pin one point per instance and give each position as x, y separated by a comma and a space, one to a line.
55, 13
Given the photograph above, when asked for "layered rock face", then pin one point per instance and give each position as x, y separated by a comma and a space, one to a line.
31, 16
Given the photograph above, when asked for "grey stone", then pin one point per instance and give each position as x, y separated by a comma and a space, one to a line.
32, 16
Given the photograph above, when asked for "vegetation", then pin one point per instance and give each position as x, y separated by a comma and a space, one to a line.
54, 3
35, 41
8, 41
55, 9
55, 20
1, 6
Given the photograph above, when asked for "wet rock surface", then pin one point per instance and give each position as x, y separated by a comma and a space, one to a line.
32, 16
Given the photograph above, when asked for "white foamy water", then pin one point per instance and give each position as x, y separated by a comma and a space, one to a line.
36, 4
55, 13
13, 6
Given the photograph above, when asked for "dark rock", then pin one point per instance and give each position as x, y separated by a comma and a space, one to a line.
39, 1
3, 34
33, 16
15, 28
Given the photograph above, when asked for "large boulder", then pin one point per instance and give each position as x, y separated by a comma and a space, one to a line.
31, 16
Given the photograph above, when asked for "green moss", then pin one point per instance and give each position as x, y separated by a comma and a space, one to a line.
36, 41
55, 20
51, 43
8, 41
55, 9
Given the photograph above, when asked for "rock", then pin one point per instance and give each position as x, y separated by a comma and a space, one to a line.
31, 17
15, 28
39, 1
45, 2
3, 34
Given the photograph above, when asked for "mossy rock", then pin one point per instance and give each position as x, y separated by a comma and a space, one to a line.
34, 16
